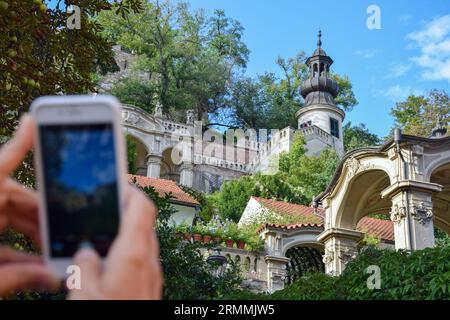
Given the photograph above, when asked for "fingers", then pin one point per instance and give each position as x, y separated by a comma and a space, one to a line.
14, 151
8, 254
90, 267
26, 276
20, 210
138, 220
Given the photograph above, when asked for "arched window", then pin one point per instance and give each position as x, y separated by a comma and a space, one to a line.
303, 260
315, 70
322, 69
255, 265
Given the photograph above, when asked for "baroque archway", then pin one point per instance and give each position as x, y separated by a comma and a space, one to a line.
303, 259
407, 178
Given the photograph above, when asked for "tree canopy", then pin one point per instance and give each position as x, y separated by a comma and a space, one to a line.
299, 179
358, 136
190, 56
418, 115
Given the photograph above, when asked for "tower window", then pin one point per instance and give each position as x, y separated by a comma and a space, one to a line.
334, 127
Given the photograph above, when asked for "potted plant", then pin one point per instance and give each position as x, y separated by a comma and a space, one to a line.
217, 235
240, 241
206, 235
184, 230
255, 244
231, 233
196, 233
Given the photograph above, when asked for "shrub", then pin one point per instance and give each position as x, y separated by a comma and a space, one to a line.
186, 273
423, 274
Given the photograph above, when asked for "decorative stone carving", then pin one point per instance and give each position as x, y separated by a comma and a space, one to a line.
158, 110
423, 213
355, 166
190, 116
346, 255
398, 212
328, 257
132, 118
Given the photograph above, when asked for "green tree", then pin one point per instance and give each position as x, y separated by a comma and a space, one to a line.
33, 35
233, 197
135, 91
418, 115
299, 179
131, 154
358, 137
190, 56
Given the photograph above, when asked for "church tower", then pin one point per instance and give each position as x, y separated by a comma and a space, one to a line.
320, 120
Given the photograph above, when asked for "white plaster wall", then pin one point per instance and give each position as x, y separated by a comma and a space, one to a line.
254, 211
184, 214
321, 118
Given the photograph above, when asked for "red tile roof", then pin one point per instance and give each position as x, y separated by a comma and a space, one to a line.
163, 187
290, 226
383, 229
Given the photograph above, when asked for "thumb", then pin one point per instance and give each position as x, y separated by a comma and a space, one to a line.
26, 276
90, 271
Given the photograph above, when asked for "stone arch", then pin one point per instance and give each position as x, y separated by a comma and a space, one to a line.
444, 158
362, 197
169, 169
302, 238
303, 259
441, 200
142, 151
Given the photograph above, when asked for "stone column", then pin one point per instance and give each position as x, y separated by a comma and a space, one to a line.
153, 166
341, 246
276, 272
186, 174
412, 214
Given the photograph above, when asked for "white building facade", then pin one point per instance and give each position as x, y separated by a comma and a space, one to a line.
208, 158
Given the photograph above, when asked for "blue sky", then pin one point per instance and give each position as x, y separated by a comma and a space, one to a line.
409, 54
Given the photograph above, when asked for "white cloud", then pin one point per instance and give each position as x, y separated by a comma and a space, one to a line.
399, 93
366, 53
399, 70
434, 43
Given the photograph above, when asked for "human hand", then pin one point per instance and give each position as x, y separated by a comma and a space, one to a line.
132, 269
19, 210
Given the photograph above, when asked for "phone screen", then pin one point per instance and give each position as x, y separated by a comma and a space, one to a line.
79, 163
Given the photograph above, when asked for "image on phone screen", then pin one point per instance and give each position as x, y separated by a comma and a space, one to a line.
80, 179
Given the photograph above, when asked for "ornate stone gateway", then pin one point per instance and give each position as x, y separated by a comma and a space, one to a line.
407, 179
302, 260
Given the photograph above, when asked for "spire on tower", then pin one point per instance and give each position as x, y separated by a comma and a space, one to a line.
319, 88
319, 39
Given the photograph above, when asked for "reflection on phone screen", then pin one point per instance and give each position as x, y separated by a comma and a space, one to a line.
81, 186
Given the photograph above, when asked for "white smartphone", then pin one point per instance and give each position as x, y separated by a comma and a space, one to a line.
80, 169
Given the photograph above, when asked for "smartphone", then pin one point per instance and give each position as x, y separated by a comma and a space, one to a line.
80, 169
